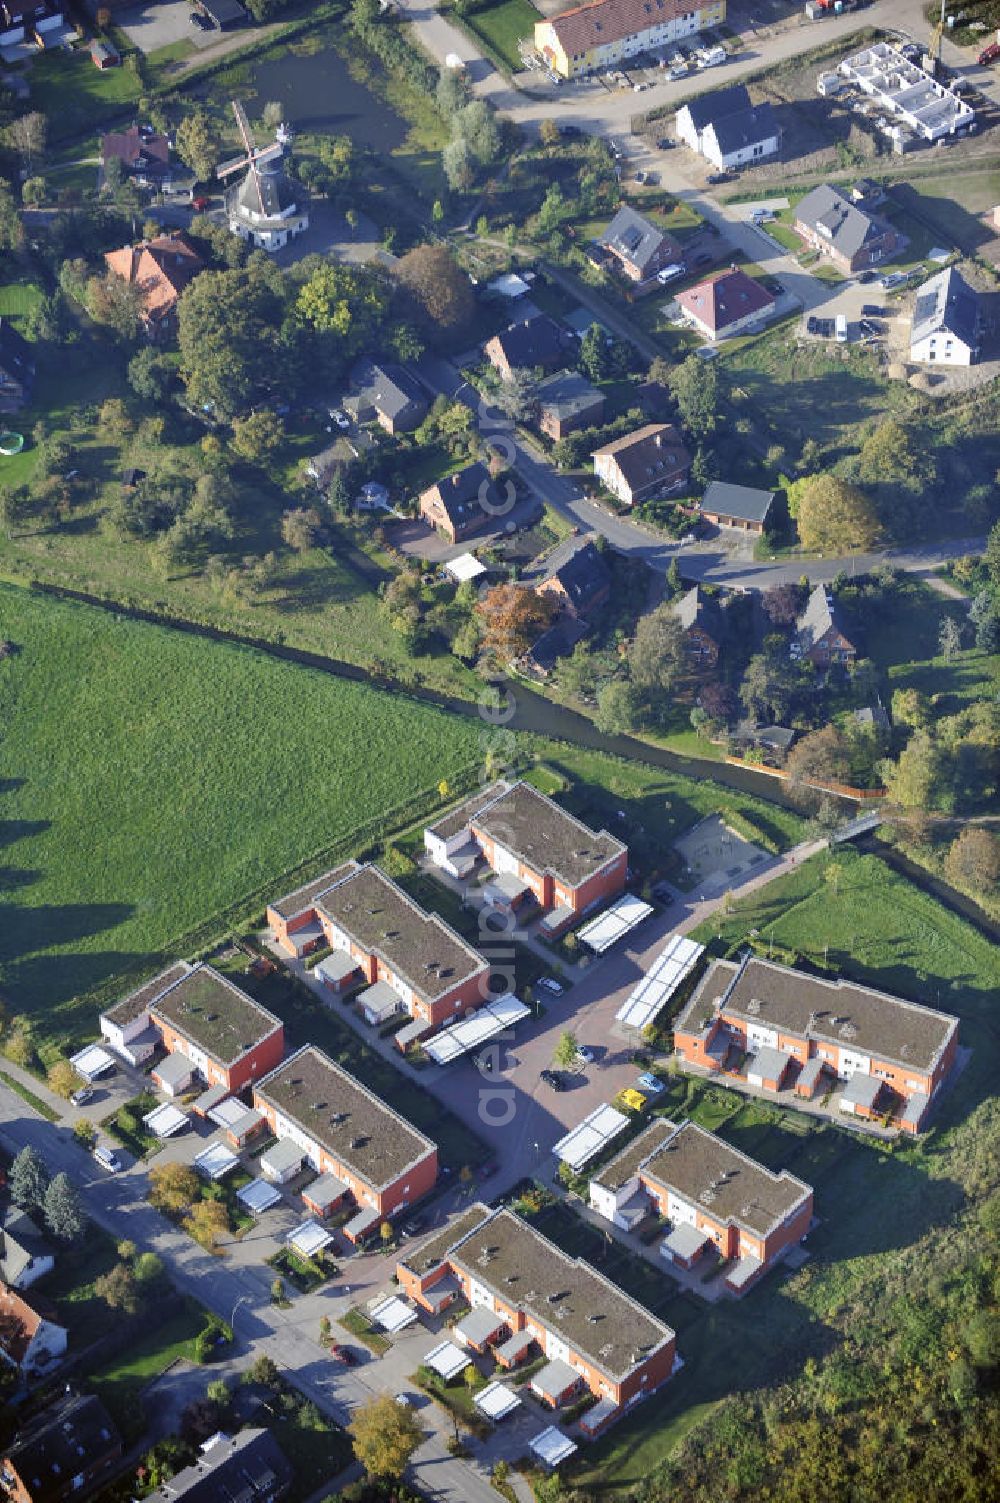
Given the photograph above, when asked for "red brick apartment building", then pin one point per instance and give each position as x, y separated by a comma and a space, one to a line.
199, 1017
594, 1336
713, 1195
382, 1162
360, 911
778, 1027
527, 839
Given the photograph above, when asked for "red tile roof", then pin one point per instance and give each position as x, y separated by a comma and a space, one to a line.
589, 26
725, 299
162, 268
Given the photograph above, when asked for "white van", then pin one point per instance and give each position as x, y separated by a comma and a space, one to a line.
108, 1159
712, 57
841, 328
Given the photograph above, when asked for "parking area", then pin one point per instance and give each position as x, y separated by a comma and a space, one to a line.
160, 23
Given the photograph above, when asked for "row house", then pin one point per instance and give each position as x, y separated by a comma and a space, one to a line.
379, 1161
536, 847
363, 916
606, 33
713, 1196
211, 1030
595, 1337
780, 1027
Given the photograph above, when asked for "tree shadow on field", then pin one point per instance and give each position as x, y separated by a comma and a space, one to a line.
13, 830
51, 987
29, 931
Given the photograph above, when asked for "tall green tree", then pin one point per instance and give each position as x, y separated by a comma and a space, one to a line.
63, 1209
695, 385
198, 145
836, 517
29, 1179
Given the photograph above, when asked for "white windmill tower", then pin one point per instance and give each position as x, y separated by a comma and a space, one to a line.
264, 208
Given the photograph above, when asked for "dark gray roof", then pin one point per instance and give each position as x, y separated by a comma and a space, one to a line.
304, 898
249, 1468
740, 501
343, 1116
223, 10
460, 494
709, 109
742, 128
389, 388
862, 1090
633, 237
946, 304
774, 737
531, 341
567, 393
140, 1001
580, 568
268, 191
558, 642
846, 227
64, 1440
20, 1243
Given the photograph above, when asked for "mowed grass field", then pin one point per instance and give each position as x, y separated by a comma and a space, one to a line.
149, 779
502, 24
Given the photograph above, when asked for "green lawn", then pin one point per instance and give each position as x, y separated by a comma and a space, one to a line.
357, 1323
70, 1287
120, 1383
153, 779
75, 95
18, 299
138, 1140
500, 23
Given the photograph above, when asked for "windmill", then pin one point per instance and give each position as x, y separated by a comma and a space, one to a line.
253, 157
263, 207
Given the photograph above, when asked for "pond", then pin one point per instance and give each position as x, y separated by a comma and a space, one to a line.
318, 94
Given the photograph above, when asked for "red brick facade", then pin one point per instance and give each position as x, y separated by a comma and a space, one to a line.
550, 891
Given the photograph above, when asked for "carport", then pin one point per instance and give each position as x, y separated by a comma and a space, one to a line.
392, 1314
92, 1062
612, 925
165, 1120
309, 1239
552, 1447
496, 1401
216, 1161
447, 1360
590, 1136
258, 1196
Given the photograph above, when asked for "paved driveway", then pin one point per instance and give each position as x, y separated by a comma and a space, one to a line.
158, 23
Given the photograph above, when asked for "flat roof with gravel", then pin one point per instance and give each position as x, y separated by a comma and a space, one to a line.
215, 1014
342, 1116
727, 1185
304, 898
458, 818
419, 947
565, 1295
545, 836
853, 1017
136, 1003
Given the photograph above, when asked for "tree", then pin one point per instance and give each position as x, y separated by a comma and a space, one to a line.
782, 604
126, 1250
695, 386
273, 113
257, 436
26, 136
300, 527
117, 1288
821, 757
991, 557
207, 1223
973, 861
910, 708
385, 1435
516, 395
566, 1052
338, 495
33, 191
949, 638
197, 145
63, 1078
617, 708
456, 163
147, 1268
29, 1179
117, 304
656, 656
325, 1330
263, 1371
173, 1187
386, 1233
511, 618
888, 455
594, 361
438, 289
835, 517
85, 1134
922, 777
768, 686
151, 375
718, 701
63, 1209
984, 614
476, 125
549, 133
234, 346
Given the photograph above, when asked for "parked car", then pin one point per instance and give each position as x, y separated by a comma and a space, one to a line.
550, 984
344, 1354
202, 22
720, 177
553, 1079
679, 70
665, 143
340, 418
662, 894
641, 178
651, 1084
585, 1055
107, 1158
671, 273
82, 1096
866, 276
413, 1226
200, 203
